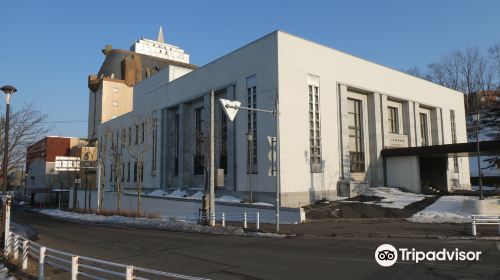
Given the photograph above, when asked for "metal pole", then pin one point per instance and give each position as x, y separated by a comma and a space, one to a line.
98, 173
129, 273
74, 267
7, 202
480, 179
41, 262
6, 148
212, 159
278, 167
24, 265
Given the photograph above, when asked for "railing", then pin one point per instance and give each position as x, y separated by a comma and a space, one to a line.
79, 265
493, 219
244, 218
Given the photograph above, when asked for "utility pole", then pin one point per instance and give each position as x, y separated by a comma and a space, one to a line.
212, 159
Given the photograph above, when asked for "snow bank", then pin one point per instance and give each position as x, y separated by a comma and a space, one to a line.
157, 193
393, 197
168, 224
447, 209
197, 195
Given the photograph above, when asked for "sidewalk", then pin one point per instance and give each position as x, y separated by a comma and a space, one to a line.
388, 227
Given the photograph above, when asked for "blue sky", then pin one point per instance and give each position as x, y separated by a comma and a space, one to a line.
48, 48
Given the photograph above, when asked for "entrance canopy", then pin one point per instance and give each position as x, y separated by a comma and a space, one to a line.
460, 149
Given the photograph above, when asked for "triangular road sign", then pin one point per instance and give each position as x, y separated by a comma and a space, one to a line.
230, 108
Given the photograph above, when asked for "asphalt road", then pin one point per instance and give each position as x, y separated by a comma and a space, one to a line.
230, 257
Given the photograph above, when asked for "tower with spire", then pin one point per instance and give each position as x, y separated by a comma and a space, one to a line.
160, 49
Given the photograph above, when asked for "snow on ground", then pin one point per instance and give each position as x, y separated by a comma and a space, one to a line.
158, 193
447, 209
197, 195
177, 193
228, 198
486, 188
168, 224
393, 197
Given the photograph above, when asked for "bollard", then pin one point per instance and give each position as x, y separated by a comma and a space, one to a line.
74, 267
223, 219
41, 262
129, 273
25, 255
257, 220
474, 226
245, 220
16, 246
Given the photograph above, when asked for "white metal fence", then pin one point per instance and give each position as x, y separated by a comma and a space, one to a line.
246, 219
79, 266
493, 219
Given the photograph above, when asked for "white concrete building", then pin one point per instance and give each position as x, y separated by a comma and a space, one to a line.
338, 112
160, 49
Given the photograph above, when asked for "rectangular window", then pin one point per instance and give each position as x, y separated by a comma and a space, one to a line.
356, 147
314, 125
393, 120
135, 171
142, 133
111, 173
176, 146
424, 129
123, 172
137, 134
129, 136
154, 146
128, 172
454, 139
252, 164
199, 156
223, 143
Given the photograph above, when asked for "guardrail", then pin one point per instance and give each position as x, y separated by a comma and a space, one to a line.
80, 265
493, 219
245, 218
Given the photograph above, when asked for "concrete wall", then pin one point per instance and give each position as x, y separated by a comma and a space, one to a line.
180, 208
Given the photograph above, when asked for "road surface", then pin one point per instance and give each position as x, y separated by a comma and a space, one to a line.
231, 257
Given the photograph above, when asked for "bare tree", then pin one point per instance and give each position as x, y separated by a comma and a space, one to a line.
468, 71
494, 53
144, 140
27, 125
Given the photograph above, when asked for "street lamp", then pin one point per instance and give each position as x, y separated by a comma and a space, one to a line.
476, 118
231, 108
8, 91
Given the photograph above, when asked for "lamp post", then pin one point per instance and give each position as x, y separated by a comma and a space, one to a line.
476, 117
8, 91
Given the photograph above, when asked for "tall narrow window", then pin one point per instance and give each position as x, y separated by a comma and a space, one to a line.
128, 172
136, 134
314, 125
424, 130
123, 172
199, 137
124, 136
154, 145
393, 120
142, 132
356, 149
454, 139
176, 145
252, 164
135, 171
129, 136
223, 143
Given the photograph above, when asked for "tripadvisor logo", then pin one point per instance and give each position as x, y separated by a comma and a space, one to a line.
387, 255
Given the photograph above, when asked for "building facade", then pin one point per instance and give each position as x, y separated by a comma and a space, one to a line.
337, 113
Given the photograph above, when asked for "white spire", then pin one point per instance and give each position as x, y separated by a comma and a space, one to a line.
160, 36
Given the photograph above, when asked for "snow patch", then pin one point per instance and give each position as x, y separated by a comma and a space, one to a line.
197, 195
393, 197
228, 198
168, 224
447, 209
157, 193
